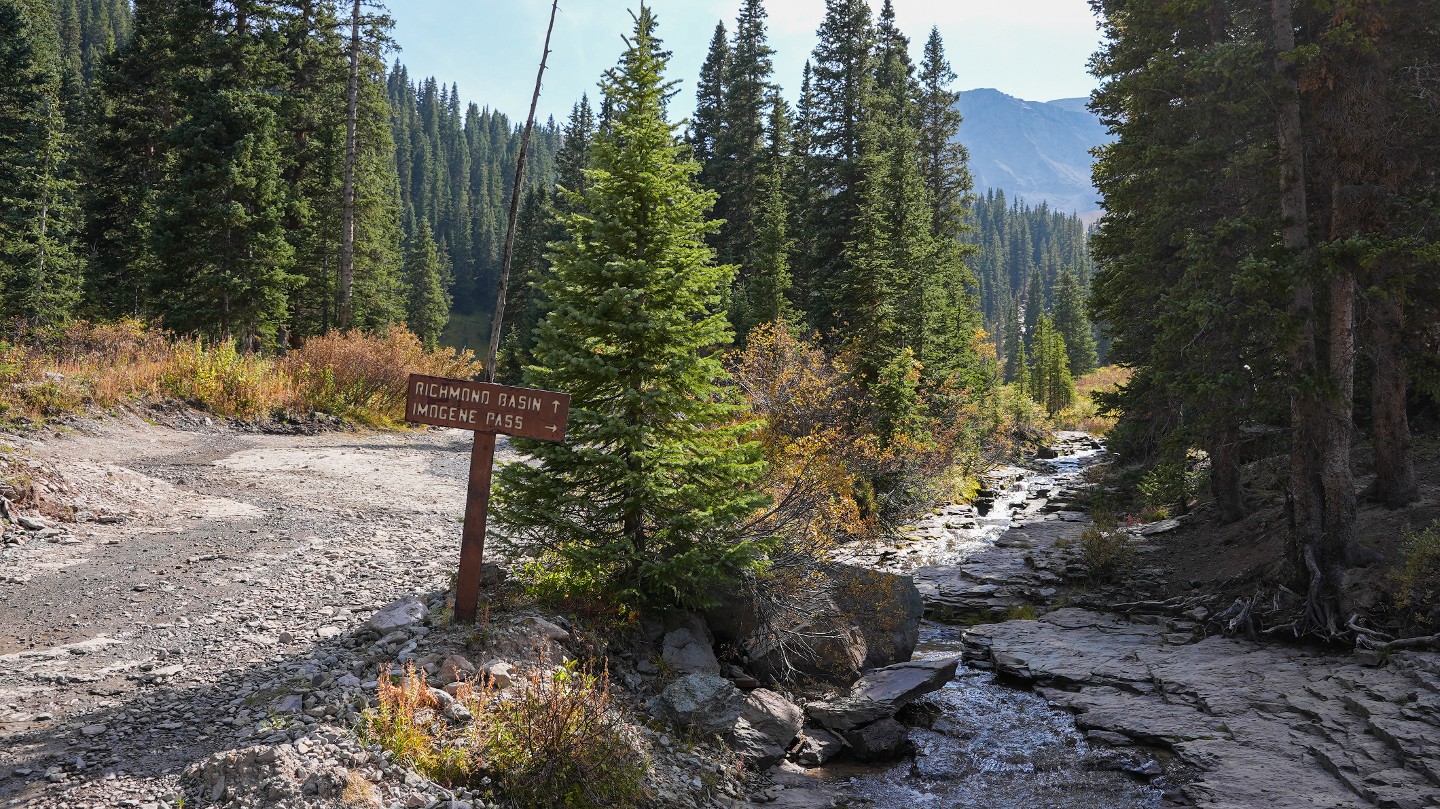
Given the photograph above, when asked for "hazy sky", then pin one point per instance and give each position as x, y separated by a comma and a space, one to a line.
1033, 49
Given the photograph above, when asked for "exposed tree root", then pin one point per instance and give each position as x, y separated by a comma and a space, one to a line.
1366, 638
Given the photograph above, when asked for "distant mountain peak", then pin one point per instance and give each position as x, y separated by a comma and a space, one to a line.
1035, 150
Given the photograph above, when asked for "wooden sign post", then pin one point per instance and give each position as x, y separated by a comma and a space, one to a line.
488, 409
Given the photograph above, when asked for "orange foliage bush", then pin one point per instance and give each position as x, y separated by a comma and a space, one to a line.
362, 376
355, 375
805, 408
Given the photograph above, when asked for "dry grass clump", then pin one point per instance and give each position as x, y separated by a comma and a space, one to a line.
555, 739
407, 722
1106, 551
559, 741
355, 375
1084, 414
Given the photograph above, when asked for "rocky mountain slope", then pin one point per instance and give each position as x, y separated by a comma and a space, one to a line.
1039, 151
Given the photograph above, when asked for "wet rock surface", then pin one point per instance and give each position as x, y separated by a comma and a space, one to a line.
1262, 726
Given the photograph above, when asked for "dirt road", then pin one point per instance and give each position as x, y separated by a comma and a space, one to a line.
213, 573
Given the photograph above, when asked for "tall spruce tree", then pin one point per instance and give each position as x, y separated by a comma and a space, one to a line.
945, 160
39, 271
137, 101
1191, 211
427, 305
222, 258
767, 290
841, 74
741, 167
1051, 383
1073, 324
644, 500
708, 121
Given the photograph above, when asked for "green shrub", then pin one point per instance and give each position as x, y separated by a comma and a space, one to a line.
1172, 483
1417, 582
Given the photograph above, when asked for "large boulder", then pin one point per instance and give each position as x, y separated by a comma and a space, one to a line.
706, 702
768, 723
854, 620
883, 692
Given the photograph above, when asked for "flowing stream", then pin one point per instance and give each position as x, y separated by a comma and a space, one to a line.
989, 745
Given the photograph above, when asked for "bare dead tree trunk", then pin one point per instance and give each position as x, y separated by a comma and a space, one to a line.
1395, 483
347, 211
1340, 537
1225, 472
497, 322
1307, 492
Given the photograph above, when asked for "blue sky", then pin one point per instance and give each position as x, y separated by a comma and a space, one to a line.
1033, 49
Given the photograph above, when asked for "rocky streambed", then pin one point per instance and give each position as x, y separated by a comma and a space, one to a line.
1081, 707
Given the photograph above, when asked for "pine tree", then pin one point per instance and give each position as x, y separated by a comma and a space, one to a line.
427, 307
709, 118
1013, 340
740, 165
951, 284
840, 76
223, 260
1074, 325
136, 103
525, 305
1034, 309
643, 501
767, 293
1051, 382
39, 271
884, 293
944, 158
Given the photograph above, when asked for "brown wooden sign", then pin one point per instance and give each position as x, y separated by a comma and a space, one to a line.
483, 406
488, 409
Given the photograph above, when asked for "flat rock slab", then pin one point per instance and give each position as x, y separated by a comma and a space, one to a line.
1264, 726
881, 693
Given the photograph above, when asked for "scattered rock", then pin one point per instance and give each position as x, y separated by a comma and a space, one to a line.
30, 523
862, 619
263, 776
767, 725
501, 673
454, 668
492, 575
817, 746
1160, 527
545, 629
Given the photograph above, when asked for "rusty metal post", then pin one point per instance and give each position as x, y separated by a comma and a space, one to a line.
472, 538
